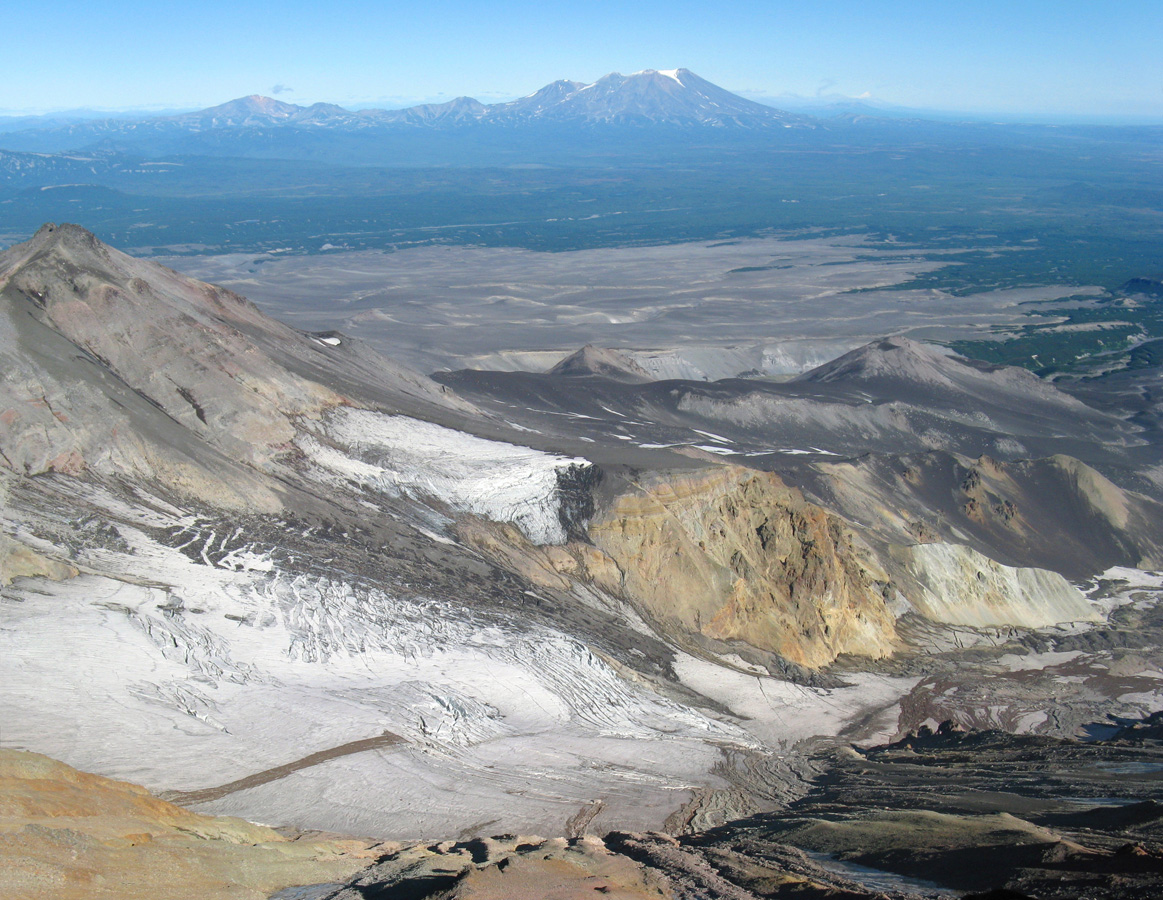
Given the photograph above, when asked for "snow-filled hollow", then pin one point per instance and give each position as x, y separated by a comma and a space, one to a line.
399, 455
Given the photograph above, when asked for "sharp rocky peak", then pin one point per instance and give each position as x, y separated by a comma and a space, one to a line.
63, 265
67, 235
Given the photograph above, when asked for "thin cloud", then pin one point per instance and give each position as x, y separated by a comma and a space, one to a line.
282, 89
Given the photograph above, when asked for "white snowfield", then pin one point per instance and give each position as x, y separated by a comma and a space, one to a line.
199, 675
184, 667
190, 656
399, 455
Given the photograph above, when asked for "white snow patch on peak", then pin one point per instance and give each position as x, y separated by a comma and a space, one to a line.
399, 455
669, 73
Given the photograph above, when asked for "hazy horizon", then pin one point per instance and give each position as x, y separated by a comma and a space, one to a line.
811, 105
1066, 60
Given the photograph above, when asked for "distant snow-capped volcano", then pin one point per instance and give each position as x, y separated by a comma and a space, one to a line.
669, 96
675, 97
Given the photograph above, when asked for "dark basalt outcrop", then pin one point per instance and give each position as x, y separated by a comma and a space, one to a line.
940, 812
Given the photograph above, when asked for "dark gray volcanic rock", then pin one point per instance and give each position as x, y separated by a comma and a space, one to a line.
893, 358
912, 443
985, 811
1054, 513
936, 814
894, 397
1014, 398
591, 360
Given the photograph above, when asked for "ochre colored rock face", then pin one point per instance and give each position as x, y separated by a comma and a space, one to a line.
734, 554
17, 560
68, 834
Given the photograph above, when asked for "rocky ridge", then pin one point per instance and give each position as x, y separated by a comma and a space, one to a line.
124, 367
324, 590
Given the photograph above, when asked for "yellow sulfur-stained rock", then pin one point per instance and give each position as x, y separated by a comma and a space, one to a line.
19, 561
735, 554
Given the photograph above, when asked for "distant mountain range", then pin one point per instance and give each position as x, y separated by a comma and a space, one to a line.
565, 122
675, 97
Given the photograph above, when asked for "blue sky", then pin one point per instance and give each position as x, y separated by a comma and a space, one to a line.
1064, 58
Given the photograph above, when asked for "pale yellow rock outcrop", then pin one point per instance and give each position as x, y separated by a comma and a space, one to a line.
728, 553
19, 561
957, 585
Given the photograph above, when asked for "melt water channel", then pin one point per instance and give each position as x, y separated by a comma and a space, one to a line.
879, 880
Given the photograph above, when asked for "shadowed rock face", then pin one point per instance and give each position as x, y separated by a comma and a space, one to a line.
1055, 513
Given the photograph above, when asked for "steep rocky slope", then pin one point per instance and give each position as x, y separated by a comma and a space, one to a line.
902, 367
1055, 513
728, 561
735, 555
127, 368
270, 574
